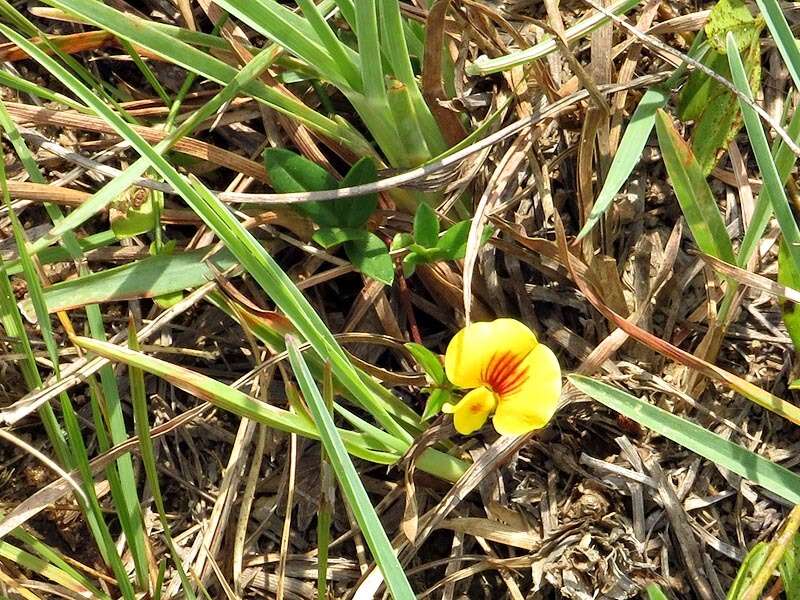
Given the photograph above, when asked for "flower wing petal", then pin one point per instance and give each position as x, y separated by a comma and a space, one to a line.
533, 403
472, 410
473, 348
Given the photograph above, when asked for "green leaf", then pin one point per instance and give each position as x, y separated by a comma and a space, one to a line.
693, 192
429, 362
749, 567
789, 276
146, 278
401, 241
437, 398
731, 16
354, 212
426, 226
786, 43
327, 237
370, 256
654, 592
129, 216
229, 398
349, 480
790, 570
715, 108
290, 172
773, 182
726, 454
410, 262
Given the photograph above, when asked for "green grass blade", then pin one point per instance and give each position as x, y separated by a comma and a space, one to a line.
369, 48
228, 398
349, 480
291, 31
707, 444
784, 161
654, 593
120, 474
141, 421
693, 192
337, 50
119, 184
394, 43
257, 261
143, 34
773, 184
145, 278
635, 137
41, 567
55, 558
782, 34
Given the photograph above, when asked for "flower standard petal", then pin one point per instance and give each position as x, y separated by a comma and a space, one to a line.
473, 350
533, 401
472, 410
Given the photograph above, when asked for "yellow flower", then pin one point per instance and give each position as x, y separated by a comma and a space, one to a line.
511, 372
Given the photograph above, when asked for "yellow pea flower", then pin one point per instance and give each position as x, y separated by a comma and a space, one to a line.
510, 372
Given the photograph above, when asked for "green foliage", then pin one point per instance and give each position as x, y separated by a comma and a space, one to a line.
731, 16
440, 392
773, 180
693, 192
707, 444
426, 227
790, 570
748, 569
654, 592
349, 479
426, 245
712, 106
636, 135
341, 221
429, 362
789, 276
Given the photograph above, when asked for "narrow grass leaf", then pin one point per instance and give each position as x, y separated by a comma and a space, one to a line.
257, 261
145, 35
654, 592
141, 421
635, 138
782, 35
145, 278
784, 161
693, 192
226, 397
350, 481
773, 184
707, 444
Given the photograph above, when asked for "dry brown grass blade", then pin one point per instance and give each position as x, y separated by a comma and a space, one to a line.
502, 176
612, 343
747, 389
682, 531
432, 87
626, 73
23, 113
494, 531
71, 44
753, 280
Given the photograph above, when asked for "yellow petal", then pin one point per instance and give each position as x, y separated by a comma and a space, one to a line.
532, 403
473, 349
472, 411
